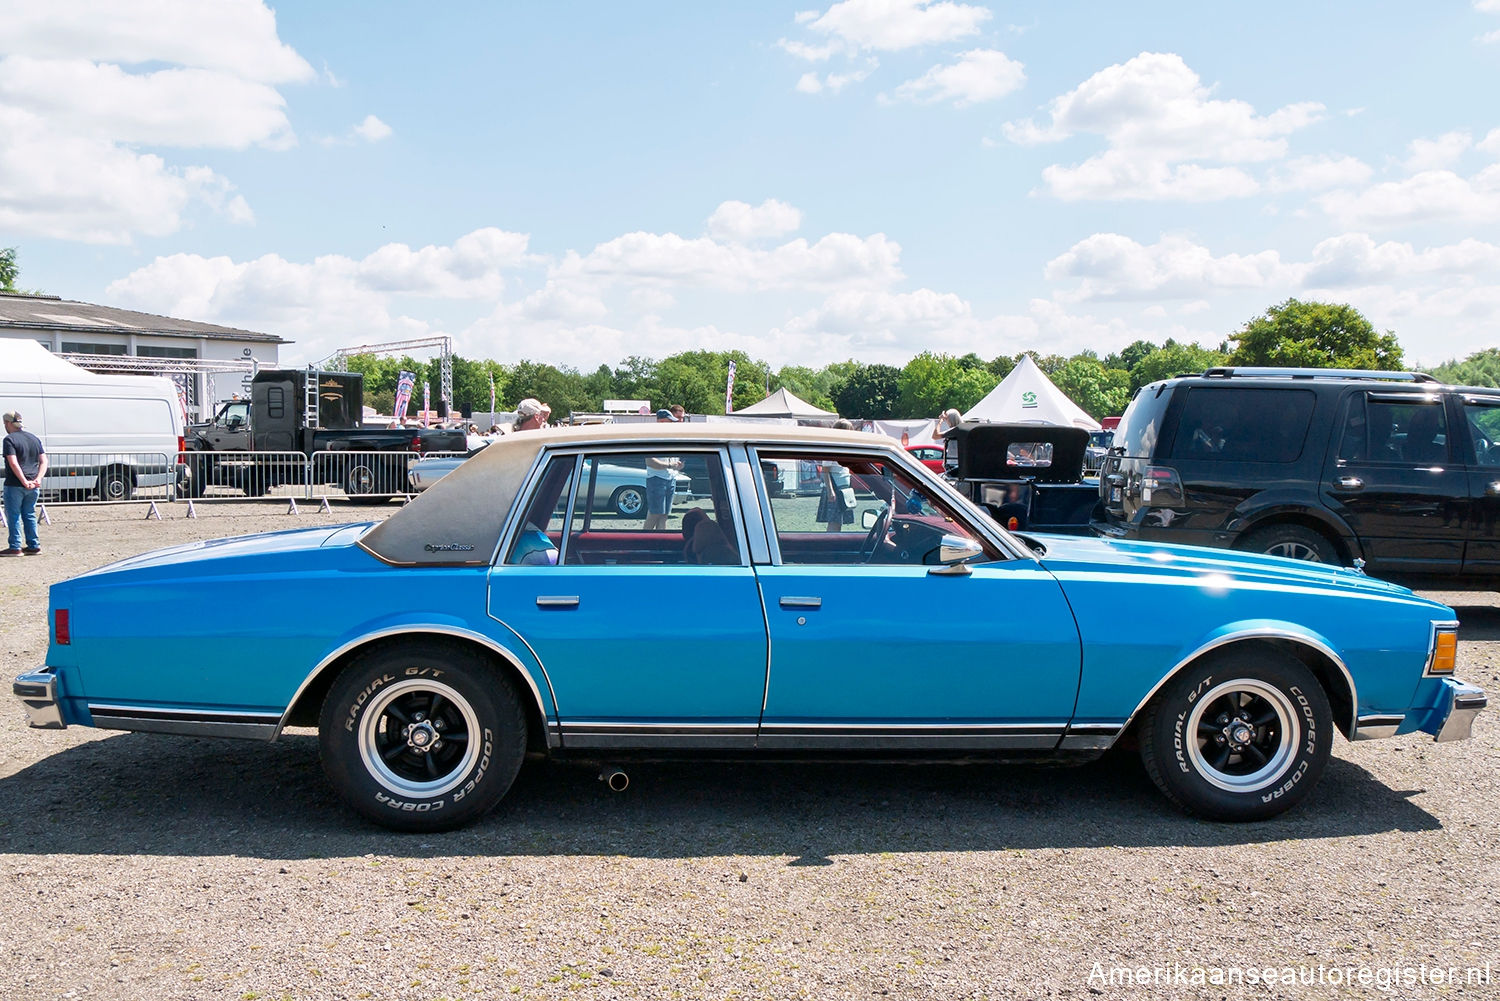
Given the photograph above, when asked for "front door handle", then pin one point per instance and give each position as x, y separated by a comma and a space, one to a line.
1350, 483
557, 601
790, 601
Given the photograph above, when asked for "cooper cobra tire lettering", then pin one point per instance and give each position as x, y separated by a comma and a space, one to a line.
1238, 735
422, 736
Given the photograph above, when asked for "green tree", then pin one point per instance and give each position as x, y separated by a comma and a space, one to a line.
931, 383
1174, 359
1482, 368
870, 392
562, 389
1100, 391
1315, 335
1130, 355
8, 269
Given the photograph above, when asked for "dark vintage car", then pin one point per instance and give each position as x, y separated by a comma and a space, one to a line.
500, 616
1028, 476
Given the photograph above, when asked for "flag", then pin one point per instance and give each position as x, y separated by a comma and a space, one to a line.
492, 396
426, 402
729, 390
404, 384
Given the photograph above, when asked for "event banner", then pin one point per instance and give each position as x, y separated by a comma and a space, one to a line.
405, 382
729, 390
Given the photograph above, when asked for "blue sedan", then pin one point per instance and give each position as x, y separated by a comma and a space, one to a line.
501, 616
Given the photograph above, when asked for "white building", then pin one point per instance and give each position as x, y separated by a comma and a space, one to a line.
210, 362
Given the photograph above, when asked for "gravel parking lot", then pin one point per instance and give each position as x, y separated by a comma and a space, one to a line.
143, 866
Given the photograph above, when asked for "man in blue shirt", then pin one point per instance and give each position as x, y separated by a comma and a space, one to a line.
25, 465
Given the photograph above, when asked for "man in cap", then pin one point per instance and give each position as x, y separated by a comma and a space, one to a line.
25, 465
531, 414
661, 482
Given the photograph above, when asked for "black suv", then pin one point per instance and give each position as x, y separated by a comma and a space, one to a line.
1328, 465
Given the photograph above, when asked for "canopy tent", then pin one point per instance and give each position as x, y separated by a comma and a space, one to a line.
25, 359
917, 432
1027, 396
784, 403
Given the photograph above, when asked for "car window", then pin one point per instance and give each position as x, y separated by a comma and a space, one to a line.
854, 510
1483, 420
1243, 425
1140, 426
1401, 432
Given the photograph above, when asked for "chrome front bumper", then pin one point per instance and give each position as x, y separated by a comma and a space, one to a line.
1463, 702
37, 691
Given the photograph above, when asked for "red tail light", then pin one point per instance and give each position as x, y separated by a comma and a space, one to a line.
62, 630
181, 444
416, 444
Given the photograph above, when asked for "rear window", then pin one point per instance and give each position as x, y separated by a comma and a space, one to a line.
1243, 425
1140, 427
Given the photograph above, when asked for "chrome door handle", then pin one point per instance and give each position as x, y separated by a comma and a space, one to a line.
1350, 482
557, 601
790, 601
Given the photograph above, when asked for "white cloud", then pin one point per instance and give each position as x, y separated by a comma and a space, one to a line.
1156, 116
739, 222
1116, 175
1490, 143
668, 259
1356, 259
1111, 266
1431, 196
372, 129
893, 25
978, 75
1318, 173
1487, 6
1435, 154
811, 83
84, 83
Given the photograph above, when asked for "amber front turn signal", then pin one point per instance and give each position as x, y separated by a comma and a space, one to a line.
1444, 652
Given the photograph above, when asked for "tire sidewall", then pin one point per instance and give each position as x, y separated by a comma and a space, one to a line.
1167, 737
500, 734
1260, 541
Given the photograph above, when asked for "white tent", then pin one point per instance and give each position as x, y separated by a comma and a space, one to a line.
917, 432
1027, 396
784, 403
26, 359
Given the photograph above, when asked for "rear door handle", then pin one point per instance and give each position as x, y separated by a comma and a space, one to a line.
1350, 483
791, 601
557, 601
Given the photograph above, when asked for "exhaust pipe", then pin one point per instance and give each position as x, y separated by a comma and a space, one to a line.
615, 778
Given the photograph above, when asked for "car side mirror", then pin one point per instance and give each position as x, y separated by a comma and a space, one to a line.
868, 518
954, 549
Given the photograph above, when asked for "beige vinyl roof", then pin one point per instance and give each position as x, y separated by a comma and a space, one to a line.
458, 520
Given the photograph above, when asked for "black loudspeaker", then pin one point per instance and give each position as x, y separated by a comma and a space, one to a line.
442, 409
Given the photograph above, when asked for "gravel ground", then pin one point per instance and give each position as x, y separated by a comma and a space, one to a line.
142, 866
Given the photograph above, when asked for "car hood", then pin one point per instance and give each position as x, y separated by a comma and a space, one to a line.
1071, 555
243, 547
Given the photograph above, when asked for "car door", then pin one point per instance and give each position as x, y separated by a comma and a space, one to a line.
642, 645
1482, 424
1397, 481
874, 645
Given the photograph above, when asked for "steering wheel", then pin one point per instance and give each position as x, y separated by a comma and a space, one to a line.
871, 543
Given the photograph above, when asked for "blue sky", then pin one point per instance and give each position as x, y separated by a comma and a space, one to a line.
578, 182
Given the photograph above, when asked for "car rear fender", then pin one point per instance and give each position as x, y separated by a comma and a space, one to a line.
304, 706
1313, 650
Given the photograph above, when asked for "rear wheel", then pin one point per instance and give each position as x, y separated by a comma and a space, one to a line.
1293, 542
422, 738
115, 484
629, 501
1242, 735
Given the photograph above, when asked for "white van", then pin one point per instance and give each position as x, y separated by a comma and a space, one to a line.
106, 435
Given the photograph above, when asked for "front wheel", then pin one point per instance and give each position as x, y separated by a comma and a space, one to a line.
629, 501
422, 739
1242, 735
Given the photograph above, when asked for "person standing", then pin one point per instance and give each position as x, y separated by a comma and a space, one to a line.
25, 465
661, 482
531, 414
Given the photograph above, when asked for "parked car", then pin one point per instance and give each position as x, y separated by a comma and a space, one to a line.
1097, 448
930, 456
1392, 468
1029, 477
620, 488
500, 616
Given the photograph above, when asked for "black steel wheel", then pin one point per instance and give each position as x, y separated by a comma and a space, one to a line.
116, 484
1241, 735
422, 738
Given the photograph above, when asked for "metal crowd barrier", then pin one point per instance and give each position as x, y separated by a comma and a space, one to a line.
109, 477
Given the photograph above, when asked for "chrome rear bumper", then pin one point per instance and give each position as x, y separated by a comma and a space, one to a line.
37, 691
38, 694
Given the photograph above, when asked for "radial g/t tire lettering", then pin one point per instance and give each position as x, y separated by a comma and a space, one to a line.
422, 737
1240, 735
